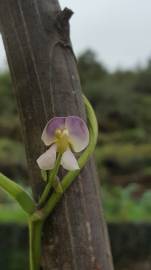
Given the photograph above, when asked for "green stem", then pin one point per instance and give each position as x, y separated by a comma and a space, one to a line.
18, 193
70, 176
35, 229
51, 179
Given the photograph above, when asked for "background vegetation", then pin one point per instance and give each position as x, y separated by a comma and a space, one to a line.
122, 101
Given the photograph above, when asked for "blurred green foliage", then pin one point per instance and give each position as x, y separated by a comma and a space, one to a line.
120, 205
12, 213
122, 101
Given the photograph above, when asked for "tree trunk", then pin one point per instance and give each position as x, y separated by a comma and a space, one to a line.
46, 83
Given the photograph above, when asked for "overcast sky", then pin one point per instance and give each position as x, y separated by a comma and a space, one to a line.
118, 30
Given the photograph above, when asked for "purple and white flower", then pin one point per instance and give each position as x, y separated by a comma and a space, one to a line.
64, 135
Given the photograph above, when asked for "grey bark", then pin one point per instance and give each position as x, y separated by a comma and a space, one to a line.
46, 84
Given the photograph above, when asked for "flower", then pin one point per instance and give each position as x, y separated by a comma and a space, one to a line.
64, 135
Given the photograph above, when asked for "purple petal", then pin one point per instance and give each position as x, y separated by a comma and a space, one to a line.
69, 162
78, 133
48, 135
47, 160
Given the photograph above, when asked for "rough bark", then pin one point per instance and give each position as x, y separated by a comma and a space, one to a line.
46, 84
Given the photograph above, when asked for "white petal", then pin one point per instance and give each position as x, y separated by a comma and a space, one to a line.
47, 160
69, 162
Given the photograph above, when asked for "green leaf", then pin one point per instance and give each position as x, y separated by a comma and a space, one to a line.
18, 193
